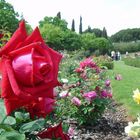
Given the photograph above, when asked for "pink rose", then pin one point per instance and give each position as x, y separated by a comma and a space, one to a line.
76, 101
118, 77
90, 95
107, 82
104, 93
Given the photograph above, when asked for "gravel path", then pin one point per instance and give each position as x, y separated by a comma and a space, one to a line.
109, 127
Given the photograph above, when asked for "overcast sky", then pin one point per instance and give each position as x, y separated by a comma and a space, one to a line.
114, 15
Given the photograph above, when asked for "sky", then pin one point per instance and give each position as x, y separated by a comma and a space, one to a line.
114, 15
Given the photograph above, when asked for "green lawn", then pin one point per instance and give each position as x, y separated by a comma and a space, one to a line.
123, 90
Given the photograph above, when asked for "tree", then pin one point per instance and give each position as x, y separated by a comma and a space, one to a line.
80, 26
87, 40
29, 28
53, 35
97, 32
89, 29
8, 17
54, 21
59, 15
104, 33
126, 35
102, 45
73, 26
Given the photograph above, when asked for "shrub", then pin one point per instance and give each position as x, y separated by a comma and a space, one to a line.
87, 93
103, 45
135, 62
104, 61
127, 47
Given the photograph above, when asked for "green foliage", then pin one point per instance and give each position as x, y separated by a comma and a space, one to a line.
59, 39
96, 31
56, 21
89, 111
71, 41
29, 28
8, 17
126, 35
104, 62
127, 47
32, 126
101, 44
135, 62
12, 135
53, 35
87, 40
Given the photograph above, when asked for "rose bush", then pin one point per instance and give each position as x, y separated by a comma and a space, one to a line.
88, 93
29, 70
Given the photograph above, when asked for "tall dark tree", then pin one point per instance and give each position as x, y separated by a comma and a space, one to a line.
73, 26
8, 17
104, 33
89, 29
59, 15
80, 26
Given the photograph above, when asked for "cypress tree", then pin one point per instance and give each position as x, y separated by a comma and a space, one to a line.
59, 15
73, 26
104, 33
80, 26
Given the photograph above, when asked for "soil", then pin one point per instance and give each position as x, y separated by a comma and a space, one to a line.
109, 127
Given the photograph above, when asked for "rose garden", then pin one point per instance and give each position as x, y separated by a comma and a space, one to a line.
52, 89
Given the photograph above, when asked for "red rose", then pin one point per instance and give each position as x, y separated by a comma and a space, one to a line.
41, 108
29, 69
54, 132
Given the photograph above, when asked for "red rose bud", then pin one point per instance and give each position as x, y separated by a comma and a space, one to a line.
29, 69
55, 132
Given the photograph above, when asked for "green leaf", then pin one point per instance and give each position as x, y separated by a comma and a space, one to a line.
12, 135
6, 127
32, 126
2, 110
21, 116
10, 120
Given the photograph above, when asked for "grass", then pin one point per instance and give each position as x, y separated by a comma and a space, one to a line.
123, 90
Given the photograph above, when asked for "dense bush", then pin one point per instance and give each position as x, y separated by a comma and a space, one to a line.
71, 41
101, 45
127, 47
87, 40
132, 61
85, 93
104, 62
